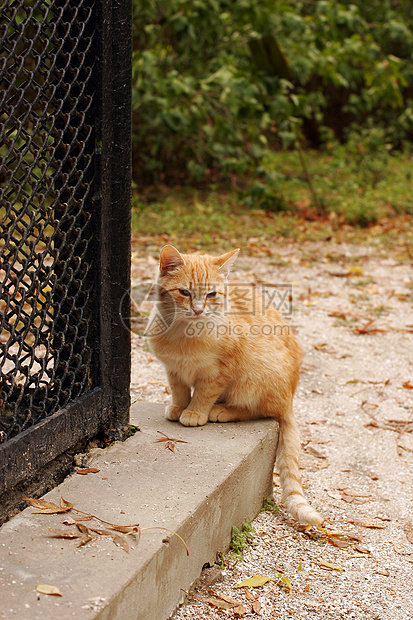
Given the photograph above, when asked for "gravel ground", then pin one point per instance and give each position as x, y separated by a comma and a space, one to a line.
353, 314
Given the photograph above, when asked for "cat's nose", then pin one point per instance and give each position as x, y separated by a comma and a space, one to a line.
197, 311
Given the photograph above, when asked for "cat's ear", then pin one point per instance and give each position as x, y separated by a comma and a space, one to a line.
170, 259
226, 261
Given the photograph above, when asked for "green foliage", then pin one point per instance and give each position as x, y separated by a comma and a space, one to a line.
269, 506
212, 93
241, 539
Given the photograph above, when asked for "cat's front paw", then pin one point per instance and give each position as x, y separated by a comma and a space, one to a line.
192, 418
173, 412
219, 413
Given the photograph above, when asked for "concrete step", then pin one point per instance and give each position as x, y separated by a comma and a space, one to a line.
216, 480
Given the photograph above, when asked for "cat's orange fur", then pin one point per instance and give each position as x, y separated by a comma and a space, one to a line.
222, 376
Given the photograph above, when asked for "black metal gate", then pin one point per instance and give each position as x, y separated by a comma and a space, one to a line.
64, 228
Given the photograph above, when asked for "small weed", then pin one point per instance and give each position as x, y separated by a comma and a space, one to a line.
241, 538
133, 429
268, 505
379, 310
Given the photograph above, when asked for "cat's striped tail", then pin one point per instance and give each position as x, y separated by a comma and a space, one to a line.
288, 453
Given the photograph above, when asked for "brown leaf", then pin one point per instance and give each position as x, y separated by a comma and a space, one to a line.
101, 532
408, 385
229, 599
39, 503
369, 330
46, 589
362, 549
65, 533
65, 504
69, 521
334, 494
256, 607
369, 524
127, 529
249, 596
44, 506
120, 541
215, 602
82, 528
315, 452
339, 314
239, 611
383, 572
85, 540
87, 470
341, 544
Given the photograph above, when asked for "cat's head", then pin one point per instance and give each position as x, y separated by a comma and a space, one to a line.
193, 286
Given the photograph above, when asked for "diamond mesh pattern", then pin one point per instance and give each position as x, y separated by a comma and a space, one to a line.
47, 185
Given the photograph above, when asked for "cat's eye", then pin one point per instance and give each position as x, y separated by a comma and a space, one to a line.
184, 292
212, 294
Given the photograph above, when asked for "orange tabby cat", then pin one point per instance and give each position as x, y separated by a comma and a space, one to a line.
229, 356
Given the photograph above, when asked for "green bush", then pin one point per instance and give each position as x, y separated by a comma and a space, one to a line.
212, 92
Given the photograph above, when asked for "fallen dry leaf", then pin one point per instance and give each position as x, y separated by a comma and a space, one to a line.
285, 583
87, 470
334, 494
46, 589
169, 441
65, 533
341, 544
253, 582
46, 507
218, 601
329, 566
120, 541
85, 540
256, 607
369, 329
82, 528
229, 599
239, 611
369, 524
314, 452
362, 549
383, 572
249, 596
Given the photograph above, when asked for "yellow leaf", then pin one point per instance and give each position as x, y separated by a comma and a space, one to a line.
286, 583
46, 589
253, 582
329, 566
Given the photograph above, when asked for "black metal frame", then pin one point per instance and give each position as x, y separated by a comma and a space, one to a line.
106, 406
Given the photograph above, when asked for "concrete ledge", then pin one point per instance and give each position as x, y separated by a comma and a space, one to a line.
216, 480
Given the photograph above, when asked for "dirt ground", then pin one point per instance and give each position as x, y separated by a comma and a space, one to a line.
354, 320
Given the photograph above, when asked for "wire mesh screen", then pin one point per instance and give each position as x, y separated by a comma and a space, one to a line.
48, 249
